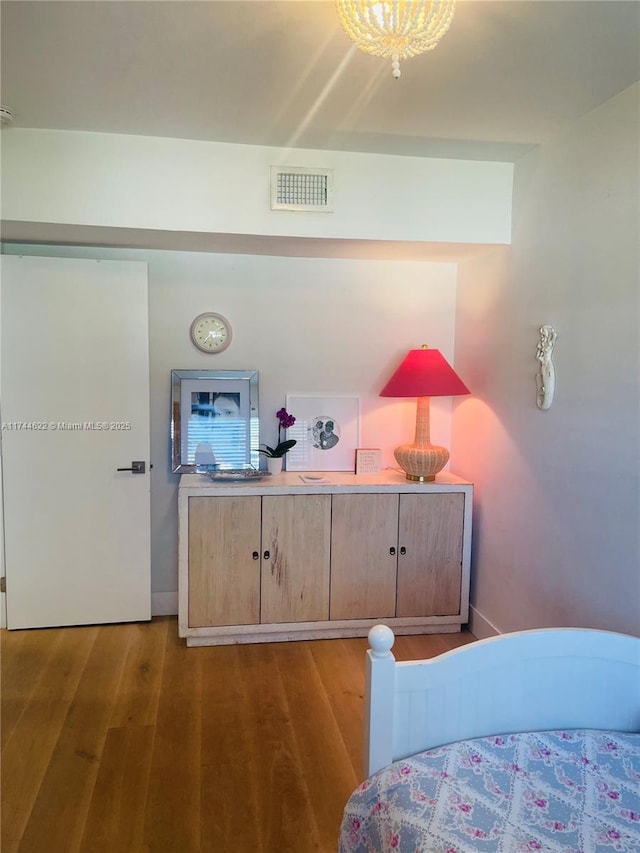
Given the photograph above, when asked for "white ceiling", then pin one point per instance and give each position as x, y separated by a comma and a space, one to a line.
281, 72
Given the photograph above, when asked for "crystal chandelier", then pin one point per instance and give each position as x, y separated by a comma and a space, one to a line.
395, 28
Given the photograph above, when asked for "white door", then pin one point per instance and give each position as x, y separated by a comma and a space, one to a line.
74, 397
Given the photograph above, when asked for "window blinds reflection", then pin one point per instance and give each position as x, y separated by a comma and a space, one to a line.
223, 438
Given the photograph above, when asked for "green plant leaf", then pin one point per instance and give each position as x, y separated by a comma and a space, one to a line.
284, 446
268, 451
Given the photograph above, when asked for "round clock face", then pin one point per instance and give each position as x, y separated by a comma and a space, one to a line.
211, 332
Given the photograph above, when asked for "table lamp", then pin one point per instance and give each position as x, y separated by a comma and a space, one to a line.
424, 373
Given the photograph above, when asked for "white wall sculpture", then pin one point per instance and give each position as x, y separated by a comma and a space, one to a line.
546, 376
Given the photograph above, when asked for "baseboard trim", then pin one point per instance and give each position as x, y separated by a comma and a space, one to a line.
164, 603
480, 626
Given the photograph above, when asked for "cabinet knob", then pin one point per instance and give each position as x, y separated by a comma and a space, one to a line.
266, 555
403, 550
255, 555
392, 551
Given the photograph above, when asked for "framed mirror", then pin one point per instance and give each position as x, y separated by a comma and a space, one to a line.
214, 420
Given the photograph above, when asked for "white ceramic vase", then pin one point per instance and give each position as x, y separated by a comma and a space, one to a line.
274, 464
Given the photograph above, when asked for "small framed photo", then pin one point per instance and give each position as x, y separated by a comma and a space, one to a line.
327, 432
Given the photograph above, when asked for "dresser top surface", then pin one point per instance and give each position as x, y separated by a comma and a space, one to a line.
333, 482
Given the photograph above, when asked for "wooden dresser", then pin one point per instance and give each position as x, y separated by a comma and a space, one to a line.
284, 559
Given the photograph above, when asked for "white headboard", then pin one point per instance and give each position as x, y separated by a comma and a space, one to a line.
554, 678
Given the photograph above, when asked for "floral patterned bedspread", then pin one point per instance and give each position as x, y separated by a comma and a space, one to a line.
575, 792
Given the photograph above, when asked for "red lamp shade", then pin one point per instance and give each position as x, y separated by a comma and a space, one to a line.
424, 373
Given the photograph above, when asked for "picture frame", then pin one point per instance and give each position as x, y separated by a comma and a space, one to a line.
214, 420
368, 460
327, 432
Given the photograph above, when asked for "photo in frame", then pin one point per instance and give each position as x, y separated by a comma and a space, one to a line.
214, 424
327, 432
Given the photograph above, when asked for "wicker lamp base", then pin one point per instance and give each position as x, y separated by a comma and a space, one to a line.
421, 463
421, 460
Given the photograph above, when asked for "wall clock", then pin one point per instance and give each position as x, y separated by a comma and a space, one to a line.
211, 332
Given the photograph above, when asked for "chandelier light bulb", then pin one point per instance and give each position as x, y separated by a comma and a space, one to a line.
396, 29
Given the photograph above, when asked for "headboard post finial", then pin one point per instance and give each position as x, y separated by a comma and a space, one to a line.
381, 640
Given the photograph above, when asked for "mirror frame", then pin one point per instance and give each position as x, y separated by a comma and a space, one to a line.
245, 382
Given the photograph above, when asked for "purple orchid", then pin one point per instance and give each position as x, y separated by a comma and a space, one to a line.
285, 421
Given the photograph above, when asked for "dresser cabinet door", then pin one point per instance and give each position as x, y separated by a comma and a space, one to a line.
430, 554
224, 564
295, 558
364, 540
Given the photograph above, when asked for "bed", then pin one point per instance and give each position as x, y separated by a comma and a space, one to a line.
524, 742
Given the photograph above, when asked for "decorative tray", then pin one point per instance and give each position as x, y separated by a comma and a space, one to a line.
235, 474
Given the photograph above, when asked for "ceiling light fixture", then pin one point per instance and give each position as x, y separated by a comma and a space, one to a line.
395, 28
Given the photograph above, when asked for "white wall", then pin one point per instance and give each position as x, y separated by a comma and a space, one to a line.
111, 180
557, 497
315, 325
306, 324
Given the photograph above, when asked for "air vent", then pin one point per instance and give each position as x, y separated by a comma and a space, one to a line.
297, 188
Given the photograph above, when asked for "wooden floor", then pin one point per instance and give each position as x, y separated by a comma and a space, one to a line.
118, 738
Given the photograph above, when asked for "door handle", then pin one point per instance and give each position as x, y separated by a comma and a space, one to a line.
136, 468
